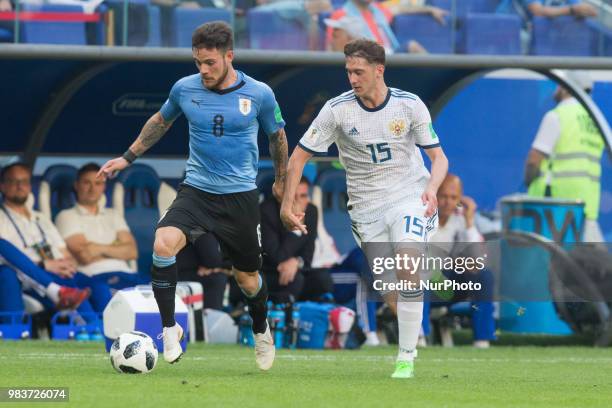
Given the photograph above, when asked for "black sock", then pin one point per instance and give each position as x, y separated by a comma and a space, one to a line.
258, 308
163, 281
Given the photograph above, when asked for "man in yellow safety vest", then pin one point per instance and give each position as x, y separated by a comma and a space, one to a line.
565, 157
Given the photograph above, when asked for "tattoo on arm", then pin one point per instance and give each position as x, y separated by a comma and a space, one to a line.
151, 132
279, 153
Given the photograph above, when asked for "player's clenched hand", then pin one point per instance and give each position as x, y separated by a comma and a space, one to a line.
293, 220
431, 200
112, 167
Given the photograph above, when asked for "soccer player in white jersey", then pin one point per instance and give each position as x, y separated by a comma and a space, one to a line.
392, 196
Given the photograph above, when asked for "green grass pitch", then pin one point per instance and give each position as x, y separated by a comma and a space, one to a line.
226, 376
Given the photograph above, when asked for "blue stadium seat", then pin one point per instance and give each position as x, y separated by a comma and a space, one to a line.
563, 36
6, 35
268, 30
603, 38
323, 29
136, 195
185, 20
264, 181
332, 184
138, 21
436, 38
336, 4
44, 32
56, 191
463, 7
154, 27
497, 34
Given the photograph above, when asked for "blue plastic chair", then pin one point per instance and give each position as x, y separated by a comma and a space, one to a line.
269, 30
335, 214
53, 32
56, 191
184, 21
140, 205
496, 34
563, 36
436, 38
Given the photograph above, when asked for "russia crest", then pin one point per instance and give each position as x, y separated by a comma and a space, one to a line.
397, 127
244, 105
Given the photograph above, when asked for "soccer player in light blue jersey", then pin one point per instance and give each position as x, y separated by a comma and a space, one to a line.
224, 108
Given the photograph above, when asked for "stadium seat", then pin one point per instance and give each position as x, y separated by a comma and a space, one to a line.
138, 195
336, 4
56, 191
436, 38
463, 7
490, 33
154, 27
264, 181
138, 12
329, 196
322, 29
185, 20
6, 35
563, 36
603, 38
268, 30
51, 32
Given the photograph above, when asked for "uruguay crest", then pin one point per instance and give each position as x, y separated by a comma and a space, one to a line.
397, 127
244, 105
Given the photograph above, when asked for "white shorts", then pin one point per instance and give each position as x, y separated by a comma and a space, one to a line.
402, 223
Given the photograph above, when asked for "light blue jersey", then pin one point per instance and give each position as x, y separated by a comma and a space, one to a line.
223, 127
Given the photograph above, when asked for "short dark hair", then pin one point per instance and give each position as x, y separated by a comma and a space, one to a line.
370, 50
214, 35
4, 171
305, 180
89, 167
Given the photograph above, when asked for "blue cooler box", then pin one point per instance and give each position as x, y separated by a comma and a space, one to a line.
15, 326
526, 305
313, 325
136, 309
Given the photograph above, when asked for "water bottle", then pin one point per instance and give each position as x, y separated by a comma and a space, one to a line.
295, 325
82, 335
245, 331
276, 318
96, 335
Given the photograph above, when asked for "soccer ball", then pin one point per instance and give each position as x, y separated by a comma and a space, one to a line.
133, 353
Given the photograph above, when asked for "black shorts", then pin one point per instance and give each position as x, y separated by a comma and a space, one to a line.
233, 218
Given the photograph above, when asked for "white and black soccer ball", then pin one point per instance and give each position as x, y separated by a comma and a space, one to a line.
133, 353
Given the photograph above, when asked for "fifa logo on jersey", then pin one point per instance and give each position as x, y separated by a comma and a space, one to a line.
244, 105
311, 134
397, 127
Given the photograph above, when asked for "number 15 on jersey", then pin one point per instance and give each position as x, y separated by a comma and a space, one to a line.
380, 152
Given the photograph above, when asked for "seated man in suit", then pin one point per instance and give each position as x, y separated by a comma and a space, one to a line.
288, 254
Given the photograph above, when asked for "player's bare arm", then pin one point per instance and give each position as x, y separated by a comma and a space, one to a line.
291, 219
279, 154
439, 168
155, 128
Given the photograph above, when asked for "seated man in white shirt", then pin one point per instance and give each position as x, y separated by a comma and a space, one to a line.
31, 248
98, 238
456, 236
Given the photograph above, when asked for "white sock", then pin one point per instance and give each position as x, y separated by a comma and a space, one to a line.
409, 319
53, 292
